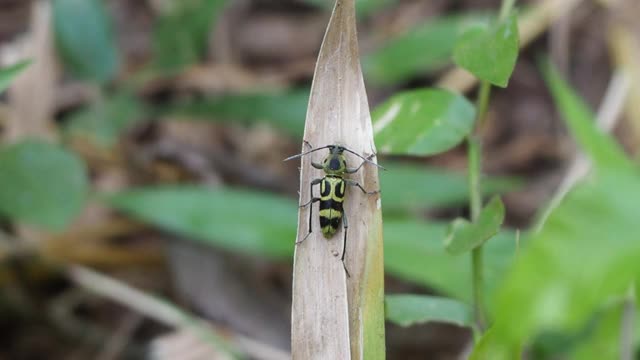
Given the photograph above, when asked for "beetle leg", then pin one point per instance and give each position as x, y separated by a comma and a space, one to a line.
310, 219
311, 185
354, 183
317, 165
314, 182
345, 226
351, 171
313, 200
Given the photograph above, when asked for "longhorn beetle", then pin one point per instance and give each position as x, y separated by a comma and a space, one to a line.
332, 191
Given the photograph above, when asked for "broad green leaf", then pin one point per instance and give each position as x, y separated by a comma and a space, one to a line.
85, 39
599, 338
238, 220
363, 7
411, 187
284, 110
487, 348
425, 48
181, 35
604, 338
587, 252
603, 150
490, 53
465, 236
407, 309
422, 122
264, 225
413, 251
7, 74
41, 184
551, 344
103, 121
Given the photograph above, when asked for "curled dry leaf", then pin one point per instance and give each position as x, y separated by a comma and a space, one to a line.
335, 317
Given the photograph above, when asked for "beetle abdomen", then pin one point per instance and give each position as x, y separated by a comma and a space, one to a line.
330, 217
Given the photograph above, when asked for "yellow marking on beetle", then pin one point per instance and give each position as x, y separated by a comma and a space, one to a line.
336, 189
328, 231
331, 213
337, 193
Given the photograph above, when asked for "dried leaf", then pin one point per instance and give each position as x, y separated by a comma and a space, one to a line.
334, 317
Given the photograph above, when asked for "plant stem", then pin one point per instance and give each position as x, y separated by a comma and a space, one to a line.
475, 192
478, 282
475, 195
482, 103
475, 203
627, 345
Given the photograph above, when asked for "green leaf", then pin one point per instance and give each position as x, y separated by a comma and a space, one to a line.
104, 121
422, 122
487, 348
411, 187
550, 344
490, 53
41, 184
604, 337
601, 148
425, 48
599, 339
407, 310
181, 35
587, 252
238, 220
465, 236
9, 73
264, 225
284, 110
85, 39
413, 251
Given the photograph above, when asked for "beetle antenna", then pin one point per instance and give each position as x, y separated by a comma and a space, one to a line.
307, 152
363, 158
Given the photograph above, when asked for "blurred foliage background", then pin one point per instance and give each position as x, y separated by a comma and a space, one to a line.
144, 140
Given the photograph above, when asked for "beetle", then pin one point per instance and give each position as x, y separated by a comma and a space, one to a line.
332, 191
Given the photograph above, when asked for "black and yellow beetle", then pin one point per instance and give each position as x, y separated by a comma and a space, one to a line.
332, 191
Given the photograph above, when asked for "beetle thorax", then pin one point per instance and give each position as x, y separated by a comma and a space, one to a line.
335, 164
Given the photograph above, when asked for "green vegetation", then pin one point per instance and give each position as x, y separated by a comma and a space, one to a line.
465, 236
9, 73
422, 122
569, 280
85, 39
407, 310
41, 184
